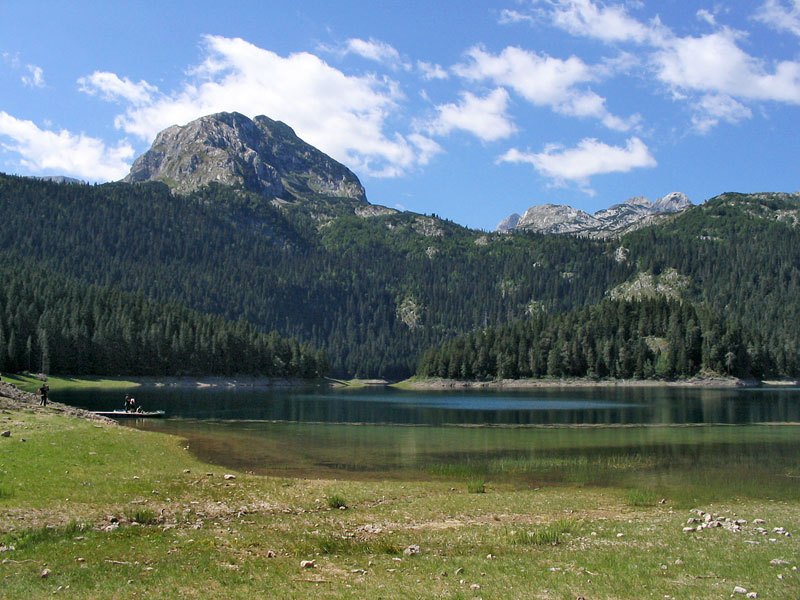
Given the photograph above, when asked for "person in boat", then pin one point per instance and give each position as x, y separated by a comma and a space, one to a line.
43, 391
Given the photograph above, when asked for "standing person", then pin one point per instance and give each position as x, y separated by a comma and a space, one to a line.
43, 391
127, 402
131, 404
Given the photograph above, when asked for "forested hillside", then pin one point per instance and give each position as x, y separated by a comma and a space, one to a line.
373, 292
373, 287
735, 264
52, 324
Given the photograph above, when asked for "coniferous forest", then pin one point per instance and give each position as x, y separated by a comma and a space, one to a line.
121, 278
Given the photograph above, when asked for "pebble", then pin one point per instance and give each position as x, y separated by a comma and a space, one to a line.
6, 434
307, 564
228, 476
778, 562
45, 574
411, 550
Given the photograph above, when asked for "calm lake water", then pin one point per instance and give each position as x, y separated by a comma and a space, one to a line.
719, 442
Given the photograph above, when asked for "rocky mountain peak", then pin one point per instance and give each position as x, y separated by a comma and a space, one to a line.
259, 155
615, 220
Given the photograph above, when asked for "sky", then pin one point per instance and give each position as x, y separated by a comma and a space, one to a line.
467, 110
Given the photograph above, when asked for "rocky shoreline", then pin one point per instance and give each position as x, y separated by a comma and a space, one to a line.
14, 399
522, 384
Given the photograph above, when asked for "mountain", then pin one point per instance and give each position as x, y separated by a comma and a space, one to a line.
290, 245
258, 155
606, 223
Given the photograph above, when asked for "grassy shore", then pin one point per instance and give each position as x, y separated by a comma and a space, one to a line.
96, 510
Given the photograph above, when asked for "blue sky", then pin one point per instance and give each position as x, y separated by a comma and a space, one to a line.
470, 110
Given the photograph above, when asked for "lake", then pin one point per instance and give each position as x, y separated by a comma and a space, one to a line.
699, 443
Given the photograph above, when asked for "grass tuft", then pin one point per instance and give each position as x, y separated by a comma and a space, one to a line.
141, 515
336, 501
642, 497
476, 486
548, 535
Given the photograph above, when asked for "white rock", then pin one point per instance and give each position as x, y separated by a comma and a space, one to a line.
739, 590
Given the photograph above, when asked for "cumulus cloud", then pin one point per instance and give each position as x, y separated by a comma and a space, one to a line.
111, 87
713, 108
484, 117
714, 63
345, 116
606, 23
590, 157
543, 81
431, 70
373, 49
701, 70
63, 152
781, 15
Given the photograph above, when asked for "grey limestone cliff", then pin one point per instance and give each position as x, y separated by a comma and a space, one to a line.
259, 155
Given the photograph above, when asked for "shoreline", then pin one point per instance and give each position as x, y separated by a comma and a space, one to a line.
708, 382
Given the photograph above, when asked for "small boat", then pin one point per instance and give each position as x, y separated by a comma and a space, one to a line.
121, 414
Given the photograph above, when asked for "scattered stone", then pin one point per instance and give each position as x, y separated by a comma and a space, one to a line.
459, 570
187, 470
688, 529
758, 521
80, 559
739, 590
475, 586
778, 562
271, 554
490, 557
228, 477
619, 535
307, 564
6, 433
411, 550
678, 561
45, 574
752, 595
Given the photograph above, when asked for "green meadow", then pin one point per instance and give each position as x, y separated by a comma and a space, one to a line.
95, 510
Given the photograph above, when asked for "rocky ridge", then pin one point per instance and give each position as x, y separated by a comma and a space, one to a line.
259, 155
614, 221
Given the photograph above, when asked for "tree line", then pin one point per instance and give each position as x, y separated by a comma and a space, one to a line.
52, 324
655, 338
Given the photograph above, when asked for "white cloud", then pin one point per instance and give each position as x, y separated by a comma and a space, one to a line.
508, 16
715, 64
590, 157
64, 153
112, 88
344, 116
543, 81
781, 15
714, 108
35, 78
698, 70
373, 49
431, 71
485, 117
606, 23
707, 17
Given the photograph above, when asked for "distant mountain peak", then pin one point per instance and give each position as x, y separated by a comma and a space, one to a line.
259, 155
616, 220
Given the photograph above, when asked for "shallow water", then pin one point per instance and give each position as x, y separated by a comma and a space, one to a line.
674, 440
